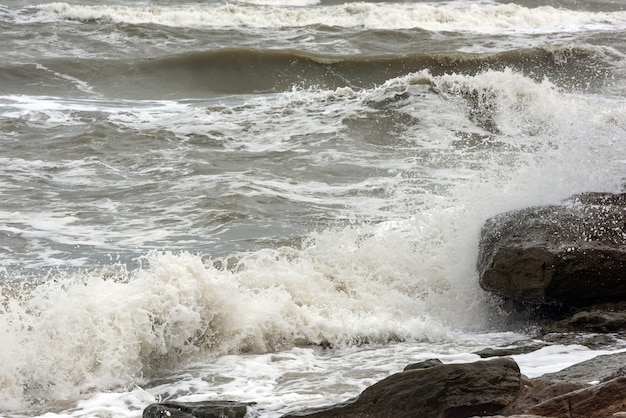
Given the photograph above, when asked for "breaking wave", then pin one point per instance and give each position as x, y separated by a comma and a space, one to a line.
444, 17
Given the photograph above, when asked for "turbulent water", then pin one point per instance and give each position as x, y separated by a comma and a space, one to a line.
278, 201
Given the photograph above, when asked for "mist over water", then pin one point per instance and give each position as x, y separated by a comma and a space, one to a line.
212, 192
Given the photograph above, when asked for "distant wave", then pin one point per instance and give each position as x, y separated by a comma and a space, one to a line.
248, 71
442, 17
263, 70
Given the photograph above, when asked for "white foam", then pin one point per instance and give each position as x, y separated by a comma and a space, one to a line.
291, 3
555, 358
78, 83
118, 329
435, 17
308, 377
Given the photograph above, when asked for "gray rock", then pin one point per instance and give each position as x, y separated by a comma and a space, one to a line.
424, 364
207, 409
592, 341
449, 390
572, 254
521, 347
600, 368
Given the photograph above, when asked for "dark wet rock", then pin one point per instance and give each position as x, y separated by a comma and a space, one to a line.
603, 318
597, 401
596, 327
424, 364
592, 341
207, 409
521, 347
448, 390
568, 255
517, 416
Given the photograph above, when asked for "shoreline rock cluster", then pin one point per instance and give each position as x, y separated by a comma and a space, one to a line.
564, 266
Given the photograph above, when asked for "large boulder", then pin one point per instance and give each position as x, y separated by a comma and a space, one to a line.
573, 254
448, 390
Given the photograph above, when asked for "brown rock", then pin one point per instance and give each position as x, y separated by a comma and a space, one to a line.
536, 391
449, 390
600, 401
572, 254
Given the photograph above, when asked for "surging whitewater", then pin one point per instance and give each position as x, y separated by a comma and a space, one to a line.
278, 202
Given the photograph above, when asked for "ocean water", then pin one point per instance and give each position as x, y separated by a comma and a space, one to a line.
279, 201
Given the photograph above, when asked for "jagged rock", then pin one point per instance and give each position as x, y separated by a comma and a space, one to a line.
207, 409
599, 401
448, 390
572, 254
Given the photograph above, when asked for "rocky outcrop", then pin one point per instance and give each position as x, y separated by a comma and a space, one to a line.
449, 390
572, 254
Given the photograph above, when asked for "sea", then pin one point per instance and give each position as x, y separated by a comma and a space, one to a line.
280, 201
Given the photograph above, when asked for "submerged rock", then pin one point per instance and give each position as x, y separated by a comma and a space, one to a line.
448, 390
425, 364
207, 409
571, 255
520, 347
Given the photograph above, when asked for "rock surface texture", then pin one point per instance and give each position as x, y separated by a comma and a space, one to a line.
599, 401
449, 390
208, 409
573, 254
